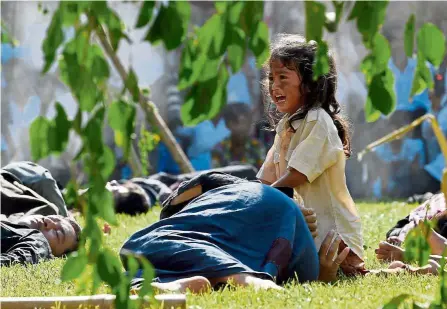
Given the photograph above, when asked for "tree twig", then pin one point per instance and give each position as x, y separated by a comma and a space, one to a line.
151, 111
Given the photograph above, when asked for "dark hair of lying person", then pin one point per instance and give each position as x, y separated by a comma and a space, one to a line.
132, 202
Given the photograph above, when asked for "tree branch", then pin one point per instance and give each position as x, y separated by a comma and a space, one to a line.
151, 111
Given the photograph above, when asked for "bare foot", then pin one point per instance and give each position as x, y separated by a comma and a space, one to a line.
394, 240
248, 280
195, 285
389, 252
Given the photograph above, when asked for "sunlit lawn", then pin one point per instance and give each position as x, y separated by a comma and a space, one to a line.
368, 292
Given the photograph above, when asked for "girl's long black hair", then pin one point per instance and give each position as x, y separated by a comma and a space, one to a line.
299, 55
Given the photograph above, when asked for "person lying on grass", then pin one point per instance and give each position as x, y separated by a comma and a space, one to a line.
34, 238
390, 250
138, 195
217, 228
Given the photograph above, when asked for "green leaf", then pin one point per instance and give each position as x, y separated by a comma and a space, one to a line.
54, 38
417, 247
211, 70
132, 85
145, 15
103, 200
96, 280
236, 50
77, 121
315, 19
170, 25
92, 133
370, 16
60, 129
205, 100
396, 301
109, 268
70, 11
423, 78
121, 118
132, 266
74, 266
367, 68
321, 64
431, 43
87, 92
381, 53
195, 55
259, 43
371, 114
251, 15
92, 231
148, 275
219, 42
381, 92
38, 133
100, 67
107, 162
79, 78
235, 11
115, 27
221, 6
82, 48
186, 65
409, 36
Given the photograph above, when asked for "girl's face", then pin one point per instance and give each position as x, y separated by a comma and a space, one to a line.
284, 87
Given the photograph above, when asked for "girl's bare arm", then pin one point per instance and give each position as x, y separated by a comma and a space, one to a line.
292, 178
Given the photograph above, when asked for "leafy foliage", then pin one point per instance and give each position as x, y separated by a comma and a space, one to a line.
209, 54
416, 245
409, 36
316, 20
215, 47
170, 25
146, 144
431, 49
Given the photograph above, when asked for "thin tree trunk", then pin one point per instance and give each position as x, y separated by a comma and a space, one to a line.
151, 111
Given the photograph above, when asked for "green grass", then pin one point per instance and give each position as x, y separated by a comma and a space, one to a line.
366, 292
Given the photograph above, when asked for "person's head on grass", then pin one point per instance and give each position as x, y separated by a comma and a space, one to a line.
62, 233
129, 197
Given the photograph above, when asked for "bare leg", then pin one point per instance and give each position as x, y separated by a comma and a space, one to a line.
247, 280
437, 243
195, 285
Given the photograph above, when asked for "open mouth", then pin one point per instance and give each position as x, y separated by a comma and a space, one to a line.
280, 99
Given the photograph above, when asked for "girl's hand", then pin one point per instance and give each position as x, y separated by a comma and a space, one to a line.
329, 259
311, 219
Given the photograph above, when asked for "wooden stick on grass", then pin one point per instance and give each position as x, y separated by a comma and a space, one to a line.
104, 301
